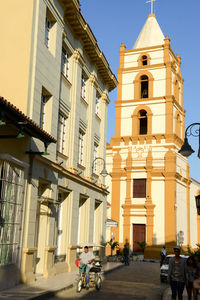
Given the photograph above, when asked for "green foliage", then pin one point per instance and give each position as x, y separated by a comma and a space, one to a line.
142, 244
191, 252
113, 245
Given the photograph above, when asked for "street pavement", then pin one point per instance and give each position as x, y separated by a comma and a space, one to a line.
139, 281
42, 288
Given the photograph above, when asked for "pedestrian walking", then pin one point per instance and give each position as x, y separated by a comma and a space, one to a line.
176, 274
162, 255
191, 272
126, 254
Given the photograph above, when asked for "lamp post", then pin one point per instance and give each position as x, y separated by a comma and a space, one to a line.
186, 150
104, 172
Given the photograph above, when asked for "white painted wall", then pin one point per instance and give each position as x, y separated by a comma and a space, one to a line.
158, 199
193, 213
181, 210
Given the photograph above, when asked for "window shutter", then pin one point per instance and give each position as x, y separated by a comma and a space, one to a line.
139, 188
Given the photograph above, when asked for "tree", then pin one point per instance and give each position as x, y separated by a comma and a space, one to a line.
112, 245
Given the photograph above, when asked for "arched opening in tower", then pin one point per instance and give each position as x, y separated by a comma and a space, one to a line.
143, 122
144, 86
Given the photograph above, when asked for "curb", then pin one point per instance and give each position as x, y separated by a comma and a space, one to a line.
47, 294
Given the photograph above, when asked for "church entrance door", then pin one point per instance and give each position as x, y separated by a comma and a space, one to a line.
139, 236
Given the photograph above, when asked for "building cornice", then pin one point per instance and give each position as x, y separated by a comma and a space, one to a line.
82, 31
70, 175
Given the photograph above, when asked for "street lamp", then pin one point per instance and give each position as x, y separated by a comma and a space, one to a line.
186, 150
104, 172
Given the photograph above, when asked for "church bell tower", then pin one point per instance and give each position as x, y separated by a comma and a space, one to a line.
148, 173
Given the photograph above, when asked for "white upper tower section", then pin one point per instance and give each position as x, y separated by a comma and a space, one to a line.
150, 35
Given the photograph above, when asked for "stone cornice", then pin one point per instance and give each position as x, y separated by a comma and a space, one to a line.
82, 31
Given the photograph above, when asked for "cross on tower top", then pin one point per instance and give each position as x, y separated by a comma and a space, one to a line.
151, 1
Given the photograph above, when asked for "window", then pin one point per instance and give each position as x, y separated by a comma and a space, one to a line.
50, 31
11, 210
139, 188
61, 132
97, 103
65, 62
144, 86
43, 110
48, 26
144, 60
95, 156
142, 122
83, 87
81, 145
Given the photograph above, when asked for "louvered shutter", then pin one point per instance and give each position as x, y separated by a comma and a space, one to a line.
139, 188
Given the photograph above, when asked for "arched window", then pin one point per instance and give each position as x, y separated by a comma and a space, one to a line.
142, 122
144, 60
144, 86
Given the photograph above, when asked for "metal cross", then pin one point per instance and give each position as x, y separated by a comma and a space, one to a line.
151, 4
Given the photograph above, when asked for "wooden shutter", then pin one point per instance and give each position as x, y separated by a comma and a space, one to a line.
139, 188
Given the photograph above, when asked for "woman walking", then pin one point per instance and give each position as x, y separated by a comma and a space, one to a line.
191, 272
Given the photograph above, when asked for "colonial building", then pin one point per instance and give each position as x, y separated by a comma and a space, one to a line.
152, 196
56, 81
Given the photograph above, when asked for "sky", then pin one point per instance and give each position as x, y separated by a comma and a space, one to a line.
117, 21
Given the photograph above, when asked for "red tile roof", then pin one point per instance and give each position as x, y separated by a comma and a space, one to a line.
31, 127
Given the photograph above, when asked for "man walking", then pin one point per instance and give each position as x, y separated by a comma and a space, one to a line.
176, 274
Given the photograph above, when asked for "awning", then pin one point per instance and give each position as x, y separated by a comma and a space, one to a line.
111, 223
10, 115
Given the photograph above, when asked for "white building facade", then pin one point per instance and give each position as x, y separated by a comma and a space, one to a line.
65, 92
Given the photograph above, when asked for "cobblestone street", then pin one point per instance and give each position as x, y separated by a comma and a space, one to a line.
139, 281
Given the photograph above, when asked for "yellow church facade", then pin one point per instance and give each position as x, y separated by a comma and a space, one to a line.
152, 194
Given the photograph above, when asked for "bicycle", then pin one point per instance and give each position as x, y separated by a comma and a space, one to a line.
95, 277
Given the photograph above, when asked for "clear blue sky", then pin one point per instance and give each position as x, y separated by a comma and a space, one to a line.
116, 21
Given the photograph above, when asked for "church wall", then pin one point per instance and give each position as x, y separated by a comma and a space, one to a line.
158, 120
193, 214
181, 210
126, 120
159, 84
157, 57
194, 218
131, 60
158, 198
181, 165
122, 201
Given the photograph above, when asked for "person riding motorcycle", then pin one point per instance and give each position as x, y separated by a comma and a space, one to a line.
86, 258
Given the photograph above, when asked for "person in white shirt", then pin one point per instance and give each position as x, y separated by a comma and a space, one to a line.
162, 255
86, 258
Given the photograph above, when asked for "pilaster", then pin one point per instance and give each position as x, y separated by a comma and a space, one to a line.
126, 229
148, 203
170, 198
119, 92
116, 191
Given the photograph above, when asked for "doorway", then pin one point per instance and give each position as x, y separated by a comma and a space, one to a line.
139, 236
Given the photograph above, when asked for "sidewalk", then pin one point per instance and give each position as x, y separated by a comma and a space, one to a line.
44, 287
168, 294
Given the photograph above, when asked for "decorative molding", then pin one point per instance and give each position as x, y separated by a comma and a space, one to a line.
82, 125
64, 108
